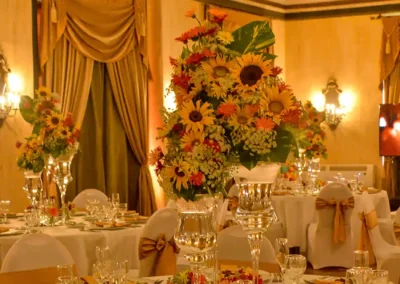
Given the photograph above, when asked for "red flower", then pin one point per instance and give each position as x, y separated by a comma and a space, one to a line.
212, 144
183, 38
173, 61
182, 80
177, 128
197, 179
276, 71
159, 167
76, 133
291, 116
208, 53
68, 121
53, 211
210, 31
194, 58
218, 19
18, 144
282, 87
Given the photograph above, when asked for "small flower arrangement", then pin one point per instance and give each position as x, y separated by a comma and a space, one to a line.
30, 154
229, 276
185, 277
53, 214
289, 171
71, 207
232, 108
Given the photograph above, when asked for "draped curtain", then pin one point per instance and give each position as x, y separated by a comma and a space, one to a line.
77, 33
390, 83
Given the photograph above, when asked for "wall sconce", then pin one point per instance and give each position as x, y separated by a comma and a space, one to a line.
334, 102
10, 87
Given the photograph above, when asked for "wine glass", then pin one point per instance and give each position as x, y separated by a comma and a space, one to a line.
102, 271
281, 250
361, 258
31, 219
295, 266
380, 276
353, 185
300, 163
122, 208
4, 207
359, 275
102, 254
115, 199
119, 271
313, 171
360, 185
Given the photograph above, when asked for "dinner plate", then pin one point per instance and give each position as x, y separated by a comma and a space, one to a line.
107, 228
12, 232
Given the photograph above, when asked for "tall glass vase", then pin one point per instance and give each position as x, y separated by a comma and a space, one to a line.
255, 212
33, 187
62, 177
197, 233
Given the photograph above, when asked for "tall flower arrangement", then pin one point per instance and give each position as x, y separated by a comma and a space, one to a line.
232, 108
30, 154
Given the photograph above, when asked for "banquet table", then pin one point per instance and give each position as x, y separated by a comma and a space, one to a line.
123, 243
297, 212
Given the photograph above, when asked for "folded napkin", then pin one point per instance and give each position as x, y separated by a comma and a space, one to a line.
110, 225
327, 281
4, 229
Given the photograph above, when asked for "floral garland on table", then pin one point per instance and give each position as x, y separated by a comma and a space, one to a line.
315, 138
232, 108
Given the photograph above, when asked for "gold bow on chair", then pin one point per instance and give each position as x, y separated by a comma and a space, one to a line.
368, 222
339, 226
165, 250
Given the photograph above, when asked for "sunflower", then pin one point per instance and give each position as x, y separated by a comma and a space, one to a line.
196, 116
317, 139
179, 172
218, 67
181, 96
317, 154
43, 92
191, 139
276, 103
315, 117
242, 119
217, 91
249, 71
53, 120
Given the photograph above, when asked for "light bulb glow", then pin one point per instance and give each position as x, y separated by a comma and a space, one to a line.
382, 122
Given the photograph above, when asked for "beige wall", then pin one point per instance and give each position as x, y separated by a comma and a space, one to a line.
16, 42
348, 49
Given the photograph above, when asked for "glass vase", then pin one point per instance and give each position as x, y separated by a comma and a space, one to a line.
62, 177
197, 233
255, 212
33, 187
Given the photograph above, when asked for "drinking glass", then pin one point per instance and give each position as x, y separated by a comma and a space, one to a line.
300, 163
91, 206
360, 185
31, 218
281, 250
119, 271
359, 275
115, 199
295, 266
313, 171
102, 271
353, 184
122, 208
380, 277
361, 258
102, 254
4, 207
65, 274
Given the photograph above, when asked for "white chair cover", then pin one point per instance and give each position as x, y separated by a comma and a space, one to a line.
164, 221
80, 199
382, 249
392, 266
232, 244
36, 251
321, 250
397, 217
171, 204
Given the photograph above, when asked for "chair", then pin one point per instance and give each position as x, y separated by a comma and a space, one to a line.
382, 250
397, 217
35, 251
80, 199
392, 266
163, 222
234, 250
322, 250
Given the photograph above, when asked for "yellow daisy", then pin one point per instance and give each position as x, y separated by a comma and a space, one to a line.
179, 172
196, 116
181, 96
43, 92
317, 139
242, 119
276, 102
249, 72
191, 139
53, 120
218, 67
224, 37
217, 91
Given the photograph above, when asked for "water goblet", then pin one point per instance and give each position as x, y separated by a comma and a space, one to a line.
360, 185
123, 208
300, 163
361, 258
4, 207
313, 171
281, 250
115, 199
295, 266
102, 271
31, 219
359, 275
102, 254
380, 277
353, 185
119, 272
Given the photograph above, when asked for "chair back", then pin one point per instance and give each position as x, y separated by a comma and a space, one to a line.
234, 250
338, 192
80, 199
397, 217
163, 222
36, 251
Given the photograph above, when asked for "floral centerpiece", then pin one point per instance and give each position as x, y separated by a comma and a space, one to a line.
232, 108
30, 154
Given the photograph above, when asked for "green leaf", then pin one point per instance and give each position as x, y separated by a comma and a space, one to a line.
26, 108
253, 37
269, 56
285, 141
248, 161
36, 128
185, 53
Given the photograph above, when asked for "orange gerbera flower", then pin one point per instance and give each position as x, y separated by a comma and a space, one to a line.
191, 13
226, 109
265, 124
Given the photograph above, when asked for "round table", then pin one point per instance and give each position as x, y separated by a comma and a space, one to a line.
123, 243
297, 212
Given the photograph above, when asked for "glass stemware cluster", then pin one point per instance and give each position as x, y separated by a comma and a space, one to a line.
65, 274
4, 208
107, 271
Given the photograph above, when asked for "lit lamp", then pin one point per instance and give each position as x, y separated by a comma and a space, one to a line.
333, 102
9, 96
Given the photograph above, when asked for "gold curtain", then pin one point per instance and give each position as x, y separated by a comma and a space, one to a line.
129, 88
75, 34
390, 82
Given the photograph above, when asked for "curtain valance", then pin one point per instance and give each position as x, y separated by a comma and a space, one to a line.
103, 30
390, 46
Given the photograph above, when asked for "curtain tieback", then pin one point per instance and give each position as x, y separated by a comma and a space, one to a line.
368, 222
165, 251
339, 226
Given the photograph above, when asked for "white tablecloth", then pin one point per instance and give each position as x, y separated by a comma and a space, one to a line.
123, 244
297, 212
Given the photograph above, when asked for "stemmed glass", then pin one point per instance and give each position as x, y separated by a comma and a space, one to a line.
281, 250
4, 207
359, 275
295, 266
122, 208
380, 277
300, 164
115, 199
31, 219
119, 271
91, 206
313, 171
